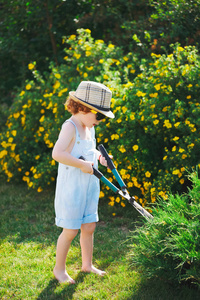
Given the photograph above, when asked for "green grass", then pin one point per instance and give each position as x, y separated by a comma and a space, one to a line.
28, 246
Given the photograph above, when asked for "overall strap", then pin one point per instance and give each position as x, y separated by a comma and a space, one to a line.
77, 133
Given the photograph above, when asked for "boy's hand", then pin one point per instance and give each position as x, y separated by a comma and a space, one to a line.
87, 167
103, 161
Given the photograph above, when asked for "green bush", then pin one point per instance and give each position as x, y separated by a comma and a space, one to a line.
168, 246
153, 138
156, 131
38, 112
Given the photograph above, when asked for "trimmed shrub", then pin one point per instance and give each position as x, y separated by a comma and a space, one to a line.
168, 246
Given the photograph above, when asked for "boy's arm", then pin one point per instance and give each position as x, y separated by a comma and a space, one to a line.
63, 146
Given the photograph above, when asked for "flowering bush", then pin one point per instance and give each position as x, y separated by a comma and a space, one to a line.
156, 131
38, 112
154, 137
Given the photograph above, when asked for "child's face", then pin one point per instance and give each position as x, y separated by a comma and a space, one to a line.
89, 119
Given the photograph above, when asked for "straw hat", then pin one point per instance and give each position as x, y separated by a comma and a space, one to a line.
95, 96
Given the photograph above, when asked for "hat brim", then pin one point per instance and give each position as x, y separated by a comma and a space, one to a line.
108, 114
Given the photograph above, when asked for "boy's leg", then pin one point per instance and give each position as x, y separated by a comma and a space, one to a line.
86, 241
63, 244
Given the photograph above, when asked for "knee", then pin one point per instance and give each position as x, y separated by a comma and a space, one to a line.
70, 234
88, 228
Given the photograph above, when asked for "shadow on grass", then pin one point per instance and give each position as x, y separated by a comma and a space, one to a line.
67, 290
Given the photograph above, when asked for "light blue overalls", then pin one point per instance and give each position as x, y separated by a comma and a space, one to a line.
77, 193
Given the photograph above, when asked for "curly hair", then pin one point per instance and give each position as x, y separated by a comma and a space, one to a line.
74, 107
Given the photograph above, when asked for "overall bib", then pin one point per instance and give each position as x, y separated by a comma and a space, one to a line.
77, 193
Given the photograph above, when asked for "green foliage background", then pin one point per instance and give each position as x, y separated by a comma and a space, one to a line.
147, 53
154, 137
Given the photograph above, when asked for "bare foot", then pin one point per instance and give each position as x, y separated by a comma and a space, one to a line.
94, 270
62, 276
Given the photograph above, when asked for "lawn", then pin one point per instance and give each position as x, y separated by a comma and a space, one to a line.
28, 246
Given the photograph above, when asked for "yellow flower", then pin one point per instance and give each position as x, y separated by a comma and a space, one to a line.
77, 55
28, 86
122, 149
3, 153
140, 94
14, 132
117, 200
148, 174
181, 150
180, 49
124, 109
153, 95
167, 124
13, 147
22, 93
123, 204
101, 195
37, 157
101, 61
176, 124
184, 156
155, 122
175, 172
176, 138
88, 30
114, 137
157, 86
85, 75
31, 66
105, 76
165, 157
16, 115
88, 53
99, 42
135, 147
130, 184
41, 129
57, 75
90, 68
125, 58
41, 119
191, 145
72, 37
54, 110
111, 46
181, 181
39, 189
17, 159
174, 148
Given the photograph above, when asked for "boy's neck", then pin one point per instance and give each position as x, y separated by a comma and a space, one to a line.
77, 118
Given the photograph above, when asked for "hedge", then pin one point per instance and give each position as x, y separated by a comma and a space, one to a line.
153, 138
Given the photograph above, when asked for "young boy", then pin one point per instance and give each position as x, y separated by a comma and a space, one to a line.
77, 190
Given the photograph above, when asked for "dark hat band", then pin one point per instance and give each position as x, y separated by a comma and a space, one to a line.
95, 106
